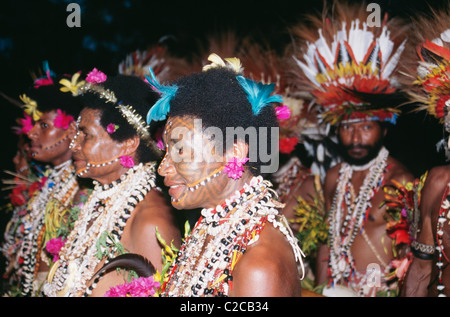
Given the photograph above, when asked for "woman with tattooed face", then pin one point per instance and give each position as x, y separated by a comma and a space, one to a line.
49, 124
220, 137
125, 211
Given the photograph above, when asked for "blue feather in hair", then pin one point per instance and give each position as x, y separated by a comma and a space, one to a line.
258, 94
161, 108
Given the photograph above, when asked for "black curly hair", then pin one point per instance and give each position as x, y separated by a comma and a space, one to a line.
50, 97
216, 97
129, 90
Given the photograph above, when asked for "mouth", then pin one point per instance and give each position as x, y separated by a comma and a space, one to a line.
176, 191
357, 152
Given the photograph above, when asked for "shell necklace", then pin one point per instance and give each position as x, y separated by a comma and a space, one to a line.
204, 267
105, 212
343, 231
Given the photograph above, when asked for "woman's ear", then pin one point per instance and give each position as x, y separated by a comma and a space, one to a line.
239, 150
130, 146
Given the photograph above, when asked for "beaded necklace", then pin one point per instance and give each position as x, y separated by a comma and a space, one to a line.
107, 210
292, 174
205, 268
343, 231
442, 218
61, 185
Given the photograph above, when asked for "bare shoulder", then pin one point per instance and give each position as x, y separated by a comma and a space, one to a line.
437, 178
331, 177
398, 171
268, 268
154, 213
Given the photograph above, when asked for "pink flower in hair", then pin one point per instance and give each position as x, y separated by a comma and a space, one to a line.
27, 124
126, 161
62, 120
234, 168
283, 112
111, 128
95, 77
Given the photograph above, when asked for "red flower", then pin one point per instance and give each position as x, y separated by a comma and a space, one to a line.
36, 186
399, 232
16, 197
287, 145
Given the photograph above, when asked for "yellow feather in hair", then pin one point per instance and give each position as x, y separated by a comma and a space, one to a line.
234, 63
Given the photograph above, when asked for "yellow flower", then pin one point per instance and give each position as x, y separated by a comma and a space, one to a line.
31, 107
71, 85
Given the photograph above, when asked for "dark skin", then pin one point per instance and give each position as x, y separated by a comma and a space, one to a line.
366, 133
94, 144
268, 267
302, 188
44, 136
422, 276
49, 144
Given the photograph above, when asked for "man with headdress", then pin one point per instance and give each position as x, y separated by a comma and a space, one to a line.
429, 86
349, 69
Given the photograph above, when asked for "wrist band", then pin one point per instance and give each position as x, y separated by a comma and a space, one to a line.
422, 251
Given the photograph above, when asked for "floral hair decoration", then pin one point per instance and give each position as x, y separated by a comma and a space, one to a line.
111, 128
62, 120
93, 84
96, 77
72, 85
350, 68
30, 107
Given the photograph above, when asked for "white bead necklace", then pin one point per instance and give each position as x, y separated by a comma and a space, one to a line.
206, 270
60, 182
343, 231
105, 211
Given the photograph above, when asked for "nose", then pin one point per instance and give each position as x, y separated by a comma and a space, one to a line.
356, 136
32, 134
166, 166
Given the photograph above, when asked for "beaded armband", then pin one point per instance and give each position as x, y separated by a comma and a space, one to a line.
422, 251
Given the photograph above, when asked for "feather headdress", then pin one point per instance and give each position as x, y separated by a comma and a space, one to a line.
350, 67
427, 65
166, 67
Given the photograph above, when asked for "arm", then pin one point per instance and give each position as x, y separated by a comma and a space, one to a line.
419, 273
323, 251
267, 269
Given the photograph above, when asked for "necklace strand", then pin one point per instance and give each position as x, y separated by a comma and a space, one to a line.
344, 231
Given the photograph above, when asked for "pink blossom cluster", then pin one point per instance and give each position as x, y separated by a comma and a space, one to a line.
283, 112
234, 168
126, 161
95, 77
53, 247
62, 120
140, 287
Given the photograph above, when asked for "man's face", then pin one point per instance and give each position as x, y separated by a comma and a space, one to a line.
49, 143
94, 145
193, 182
360, 141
